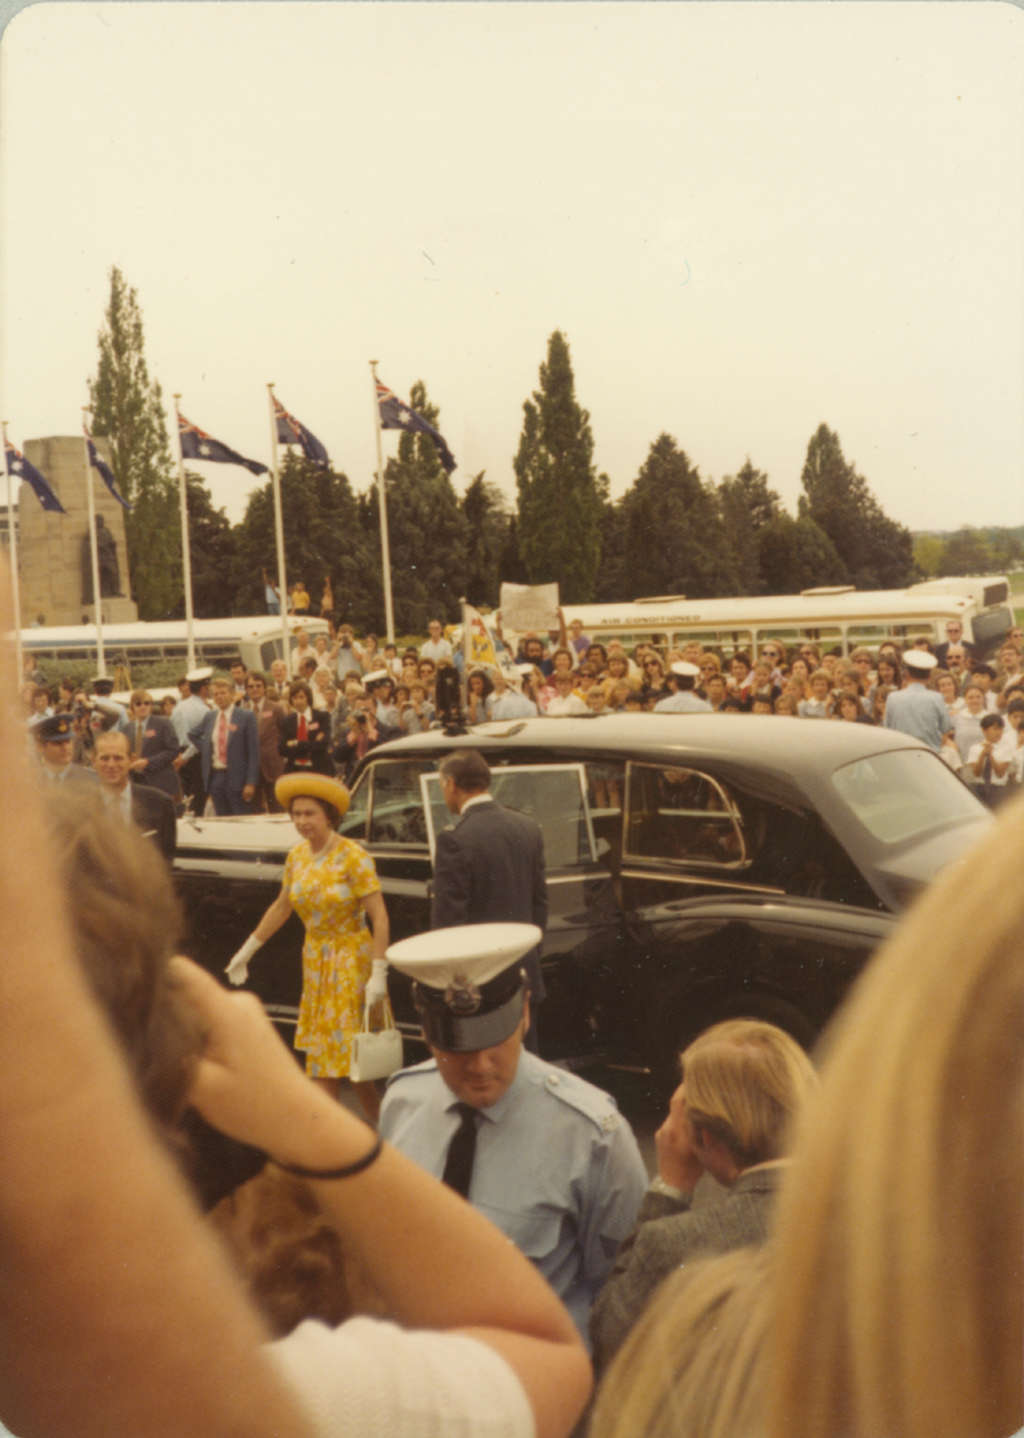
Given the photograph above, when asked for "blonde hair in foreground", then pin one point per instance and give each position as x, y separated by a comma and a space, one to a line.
746, 1081
692, 1366
900, 1232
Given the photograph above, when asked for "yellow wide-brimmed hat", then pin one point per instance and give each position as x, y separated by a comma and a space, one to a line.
311, 786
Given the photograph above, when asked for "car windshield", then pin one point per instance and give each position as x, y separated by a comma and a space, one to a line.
904, 793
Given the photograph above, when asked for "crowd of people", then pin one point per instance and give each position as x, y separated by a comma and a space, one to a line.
825, 1248
338, 697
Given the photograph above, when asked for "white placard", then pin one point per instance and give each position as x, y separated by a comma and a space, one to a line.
529, 606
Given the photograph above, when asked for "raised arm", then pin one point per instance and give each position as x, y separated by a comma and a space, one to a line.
421, 1245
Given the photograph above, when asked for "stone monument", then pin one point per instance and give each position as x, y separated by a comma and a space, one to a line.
54, 561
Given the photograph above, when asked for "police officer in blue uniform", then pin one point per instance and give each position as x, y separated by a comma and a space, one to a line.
544, 1155
917, 710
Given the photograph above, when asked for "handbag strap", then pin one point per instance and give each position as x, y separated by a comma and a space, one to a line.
389, 1017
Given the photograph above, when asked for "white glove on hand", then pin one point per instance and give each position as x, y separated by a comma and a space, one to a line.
238, 967
377, 984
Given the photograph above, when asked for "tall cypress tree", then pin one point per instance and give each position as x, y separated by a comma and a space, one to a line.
675, 539
560, 501
877, 552
128, 411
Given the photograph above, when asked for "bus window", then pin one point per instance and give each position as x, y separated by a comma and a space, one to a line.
824, 636
730, 641
786, 639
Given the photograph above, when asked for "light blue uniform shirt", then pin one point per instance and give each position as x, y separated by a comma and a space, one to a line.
919, 712
513, 705
684, 701
557, 1168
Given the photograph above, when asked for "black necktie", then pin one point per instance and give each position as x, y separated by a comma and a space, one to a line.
458, 1166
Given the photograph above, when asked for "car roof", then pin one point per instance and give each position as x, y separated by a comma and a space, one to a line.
769, 742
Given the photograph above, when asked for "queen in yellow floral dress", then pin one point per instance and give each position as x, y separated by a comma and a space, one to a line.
332, 884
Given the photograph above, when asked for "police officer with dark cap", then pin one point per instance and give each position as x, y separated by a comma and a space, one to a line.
54, 738
546, 1156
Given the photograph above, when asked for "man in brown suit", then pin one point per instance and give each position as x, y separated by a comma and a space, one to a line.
269, 716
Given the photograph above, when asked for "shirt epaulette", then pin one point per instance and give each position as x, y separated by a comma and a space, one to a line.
593, 1103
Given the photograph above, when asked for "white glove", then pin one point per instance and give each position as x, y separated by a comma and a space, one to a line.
238, 967
377, 984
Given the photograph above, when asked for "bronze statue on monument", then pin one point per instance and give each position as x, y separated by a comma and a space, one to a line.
110, 569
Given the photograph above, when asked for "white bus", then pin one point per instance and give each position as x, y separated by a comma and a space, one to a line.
838, 617
256, 639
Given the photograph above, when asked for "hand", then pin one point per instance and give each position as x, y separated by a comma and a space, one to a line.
248, 791
377, 984
674, 1143
238, 969
243, 1056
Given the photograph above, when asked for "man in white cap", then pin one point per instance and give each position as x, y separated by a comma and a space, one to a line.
684, 700
190, 710
916, 710
546, 1156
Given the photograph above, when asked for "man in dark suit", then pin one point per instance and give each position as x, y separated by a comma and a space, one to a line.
228, 741
269, 718
954, 640
154, 746
149, 809
490, 867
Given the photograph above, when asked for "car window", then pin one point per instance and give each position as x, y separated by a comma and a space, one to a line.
386, 806
554, 795
904, 793
681, 814
353, 825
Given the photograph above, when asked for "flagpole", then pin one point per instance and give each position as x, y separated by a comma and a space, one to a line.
97, 598
467, 650
385, 552
186, 549
13, 544
282, 592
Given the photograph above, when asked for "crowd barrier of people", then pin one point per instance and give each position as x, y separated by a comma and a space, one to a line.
341, 696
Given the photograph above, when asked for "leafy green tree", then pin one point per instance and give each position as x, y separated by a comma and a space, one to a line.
558, 488
487, 526
929, 554
212, 552
877, 552
967, 552
747, 505
795, 554
324, 535
427, 531
128, 411
675, 538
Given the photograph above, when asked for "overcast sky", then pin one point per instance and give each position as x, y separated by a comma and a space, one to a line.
746, 218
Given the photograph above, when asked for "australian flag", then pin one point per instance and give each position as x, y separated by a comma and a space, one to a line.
18, 465
105, 472
197, 444
396, 415
290, 431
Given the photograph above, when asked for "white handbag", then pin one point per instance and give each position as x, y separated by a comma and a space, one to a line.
376, 1055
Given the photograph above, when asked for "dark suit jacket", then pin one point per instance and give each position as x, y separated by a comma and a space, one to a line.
269, 721
316, 747
153, 811
490, 869
669, 1233
243, 747
160, 748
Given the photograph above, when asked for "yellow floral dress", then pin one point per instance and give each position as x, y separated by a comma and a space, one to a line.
325, 890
